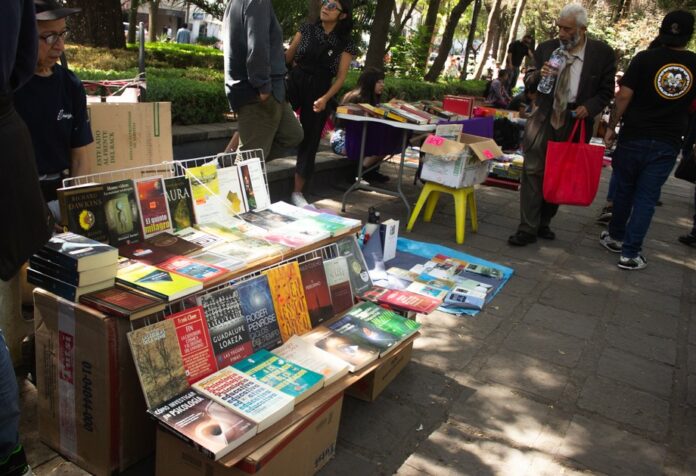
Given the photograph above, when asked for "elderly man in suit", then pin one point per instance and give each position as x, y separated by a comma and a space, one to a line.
583, 87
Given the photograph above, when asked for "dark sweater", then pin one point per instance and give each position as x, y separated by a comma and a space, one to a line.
18, 43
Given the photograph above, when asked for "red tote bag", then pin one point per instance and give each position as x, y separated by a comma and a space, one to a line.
571, 176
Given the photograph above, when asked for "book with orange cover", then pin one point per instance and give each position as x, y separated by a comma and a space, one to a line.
289, 299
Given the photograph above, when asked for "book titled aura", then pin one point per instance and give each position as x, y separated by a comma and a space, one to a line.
338, 277
227, 326
180, 202
153, 206
121, 210
289, 300
77, 252
281, 374
82, 211
157, 282
204, 424
257, 307
194, 343
246, 396
301, 352
316, 291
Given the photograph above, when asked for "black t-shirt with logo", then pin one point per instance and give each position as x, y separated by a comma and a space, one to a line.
662, 81
54, 109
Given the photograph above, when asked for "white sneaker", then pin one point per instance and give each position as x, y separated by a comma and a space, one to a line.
610, 243
29, 472
298, 200
639, 262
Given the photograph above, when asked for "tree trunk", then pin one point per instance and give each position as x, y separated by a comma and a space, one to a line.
487, 43
470, 39
446, 43
495, 37
515, 25
429, 29
401, 20
379, 34
99, 24
313, 9
132, 20
152, 23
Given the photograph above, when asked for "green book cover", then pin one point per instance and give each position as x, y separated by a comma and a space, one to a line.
121, 210
385, 319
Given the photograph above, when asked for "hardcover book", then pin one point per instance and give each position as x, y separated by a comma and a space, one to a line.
257, 307
246, 396
204, 424
301, 352
153, 206
180, 202
385, 320
77, 252
82, 211
316, 290
75, 278
194, 269
252, 179
157, 282
158, 361
227, 326
123, 303
357, 268
230, 191
121, 210
355, 353
158, 248
194, 343
338, 277
205, 189
289, 300
276, 372
63, 289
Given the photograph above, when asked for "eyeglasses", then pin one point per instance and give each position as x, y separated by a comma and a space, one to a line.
331, 6
52, 38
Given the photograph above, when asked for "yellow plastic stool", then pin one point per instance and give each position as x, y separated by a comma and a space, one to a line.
431, 193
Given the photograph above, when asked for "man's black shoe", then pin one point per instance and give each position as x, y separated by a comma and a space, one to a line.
521, 239
546, 233
689, 239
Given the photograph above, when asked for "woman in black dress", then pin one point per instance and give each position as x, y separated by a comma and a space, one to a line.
319, 52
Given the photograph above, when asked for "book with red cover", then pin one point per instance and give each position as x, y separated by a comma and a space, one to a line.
401, 299
153, 205
194, 343
158, 248
194, 269
316, 291
338, 278
122, 303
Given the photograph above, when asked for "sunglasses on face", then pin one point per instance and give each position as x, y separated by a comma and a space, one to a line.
52, 38
331, 6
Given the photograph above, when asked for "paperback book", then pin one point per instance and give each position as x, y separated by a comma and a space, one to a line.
158, 248
180, 201
194, 343
301, 352
252, 179
357, 268
402, 299
385, 320
121, 210
205, 273
316, 290
157, 282
82, 211
75, 278
257, 307
77, 252
205, 189
123, 303
230, 191
221, 261
153, 206
338, 277
63, 289
364, 333
289, 300
355, 353
205, 240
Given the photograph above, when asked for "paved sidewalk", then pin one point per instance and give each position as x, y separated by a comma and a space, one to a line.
575, 367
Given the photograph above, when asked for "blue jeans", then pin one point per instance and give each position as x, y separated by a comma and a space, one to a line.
641, 168
9, 402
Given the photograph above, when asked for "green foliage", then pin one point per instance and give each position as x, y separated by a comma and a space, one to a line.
206, 40
181, 55
409, 54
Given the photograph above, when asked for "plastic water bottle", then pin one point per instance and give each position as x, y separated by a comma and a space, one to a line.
557, 61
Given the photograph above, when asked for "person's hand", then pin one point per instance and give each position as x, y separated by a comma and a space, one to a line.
548, 70
319, 104
264, 96
581, 112
609, 137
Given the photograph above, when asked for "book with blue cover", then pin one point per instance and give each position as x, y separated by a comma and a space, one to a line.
256, 304
281, 374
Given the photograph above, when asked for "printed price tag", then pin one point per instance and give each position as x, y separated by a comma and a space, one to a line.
434, 140
488, 154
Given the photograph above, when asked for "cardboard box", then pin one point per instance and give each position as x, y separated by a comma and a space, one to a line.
303, 449
462, 105
373, 384
129, 135
89, 402
450, 162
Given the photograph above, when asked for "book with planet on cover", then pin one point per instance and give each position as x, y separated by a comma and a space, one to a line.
157, 282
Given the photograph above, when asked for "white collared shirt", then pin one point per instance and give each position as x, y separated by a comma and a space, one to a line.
575, 72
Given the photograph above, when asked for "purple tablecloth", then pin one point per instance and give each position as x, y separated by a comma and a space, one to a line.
381, 139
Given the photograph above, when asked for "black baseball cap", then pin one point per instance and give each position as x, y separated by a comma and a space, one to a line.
50, 10
677, 28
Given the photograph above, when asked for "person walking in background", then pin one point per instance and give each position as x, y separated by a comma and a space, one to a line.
183, 34
582, 89
319, 52
654, 99
517, 51
255, 79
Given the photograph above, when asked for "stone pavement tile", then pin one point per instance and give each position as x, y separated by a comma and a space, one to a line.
691, 349
638, 342
589, 247
624, 404
589, 273
646, 321
692, 331
571, 298
528, 374
508, 223
601, 447
452, 451
59, 467
479, 326
520, 286
523, 268
648, 375
422, 386
498, 412
635, 298
545, 344
447, 353
348, 463
567, 223
566, 322
691, 390
503, 305
542, 253
481, 242
669, 282
491, 230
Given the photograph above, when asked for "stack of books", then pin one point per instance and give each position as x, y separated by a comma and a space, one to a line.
70, 265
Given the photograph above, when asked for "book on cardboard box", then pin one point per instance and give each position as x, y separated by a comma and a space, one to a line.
123, 303
316, 290
82, 211
338, 278
227, 325
246, 396
121, 210
206, 273
63, 289
180, 202
153, 206
158, 361
194, 343
257, 307
203, 423
303, 353
77, 252
281, 374
386, 320
359, 275
157, 282
253, 182
158, 249
70, 276
364, 333
356, 354
289, 300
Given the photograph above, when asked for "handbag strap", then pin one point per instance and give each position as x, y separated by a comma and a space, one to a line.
581, 123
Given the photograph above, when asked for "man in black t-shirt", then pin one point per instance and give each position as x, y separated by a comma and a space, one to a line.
517, 52
653, 101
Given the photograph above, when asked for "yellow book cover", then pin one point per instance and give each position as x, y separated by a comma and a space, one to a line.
289, 300
157, 282
205, 189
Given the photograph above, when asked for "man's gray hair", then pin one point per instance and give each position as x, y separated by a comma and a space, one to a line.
575, 11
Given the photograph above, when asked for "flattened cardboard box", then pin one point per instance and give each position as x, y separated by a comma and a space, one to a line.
129, 135
303, 449
90, 405
373, 384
